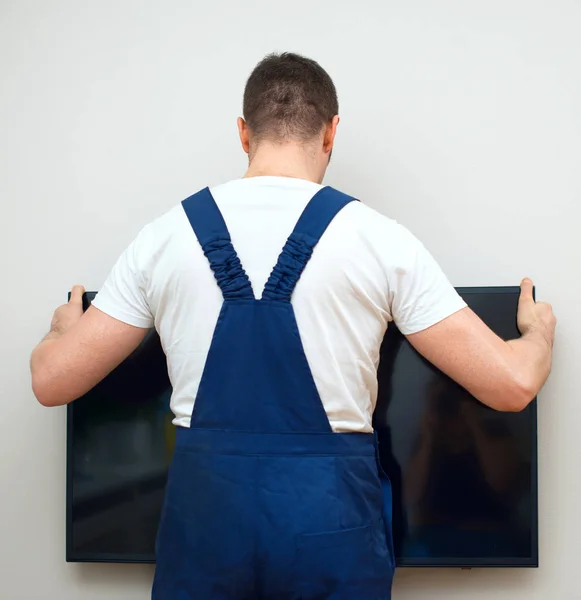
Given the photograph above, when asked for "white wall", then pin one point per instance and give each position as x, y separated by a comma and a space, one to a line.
462, 119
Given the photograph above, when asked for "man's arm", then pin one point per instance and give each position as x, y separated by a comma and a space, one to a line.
504, 375
80, 350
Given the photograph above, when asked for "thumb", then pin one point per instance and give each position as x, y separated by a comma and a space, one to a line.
526, 290
77, 295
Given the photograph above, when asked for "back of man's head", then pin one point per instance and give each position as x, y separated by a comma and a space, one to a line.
289, 98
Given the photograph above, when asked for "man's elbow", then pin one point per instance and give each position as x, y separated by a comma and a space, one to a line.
42, 392
44, 389
525, 394
515, 396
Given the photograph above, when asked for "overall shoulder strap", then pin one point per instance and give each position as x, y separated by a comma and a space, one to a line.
210, 229
319, 212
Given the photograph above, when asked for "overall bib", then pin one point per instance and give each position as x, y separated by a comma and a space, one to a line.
264, 500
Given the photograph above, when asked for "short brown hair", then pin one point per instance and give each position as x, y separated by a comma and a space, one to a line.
288, 96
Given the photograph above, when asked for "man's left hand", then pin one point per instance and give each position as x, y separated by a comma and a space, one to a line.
67, 315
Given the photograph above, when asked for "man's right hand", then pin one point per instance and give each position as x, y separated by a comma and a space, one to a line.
535, 317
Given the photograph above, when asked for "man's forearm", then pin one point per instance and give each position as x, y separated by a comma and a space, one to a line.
44, 345
53, 334
532, 358
40, 355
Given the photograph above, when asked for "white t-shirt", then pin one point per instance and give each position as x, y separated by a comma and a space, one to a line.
366, 271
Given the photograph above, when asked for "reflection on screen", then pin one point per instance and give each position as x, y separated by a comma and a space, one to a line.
462, 474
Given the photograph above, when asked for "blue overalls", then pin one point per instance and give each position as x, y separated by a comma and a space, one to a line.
264, 500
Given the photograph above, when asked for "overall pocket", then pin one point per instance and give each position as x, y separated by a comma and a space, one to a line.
347, 564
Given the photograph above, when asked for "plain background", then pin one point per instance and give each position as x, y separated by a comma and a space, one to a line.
461, 119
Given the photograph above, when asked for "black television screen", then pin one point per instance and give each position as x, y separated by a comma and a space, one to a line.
464, 477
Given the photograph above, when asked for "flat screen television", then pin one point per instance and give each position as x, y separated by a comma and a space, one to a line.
464, 477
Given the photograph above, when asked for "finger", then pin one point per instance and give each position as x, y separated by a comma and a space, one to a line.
526, 290
77, 294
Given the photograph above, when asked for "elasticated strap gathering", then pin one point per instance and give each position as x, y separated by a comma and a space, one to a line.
320, 211
212, 233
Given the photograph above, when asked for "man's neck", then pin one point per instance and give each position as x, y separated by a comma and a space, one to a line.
284, 160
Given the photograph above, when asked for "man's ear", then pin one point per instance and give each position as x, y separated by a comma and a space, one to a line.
330, 132
244, 134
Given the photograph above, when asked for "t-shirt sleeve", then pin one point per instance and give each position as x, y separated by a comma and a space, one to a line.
421, 294
123, 295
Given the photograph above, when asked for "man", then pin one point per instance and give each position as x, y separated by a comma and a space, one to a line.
274, 491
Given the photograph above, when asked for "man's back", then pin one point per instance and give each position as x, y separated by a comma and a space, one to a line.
365, 272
